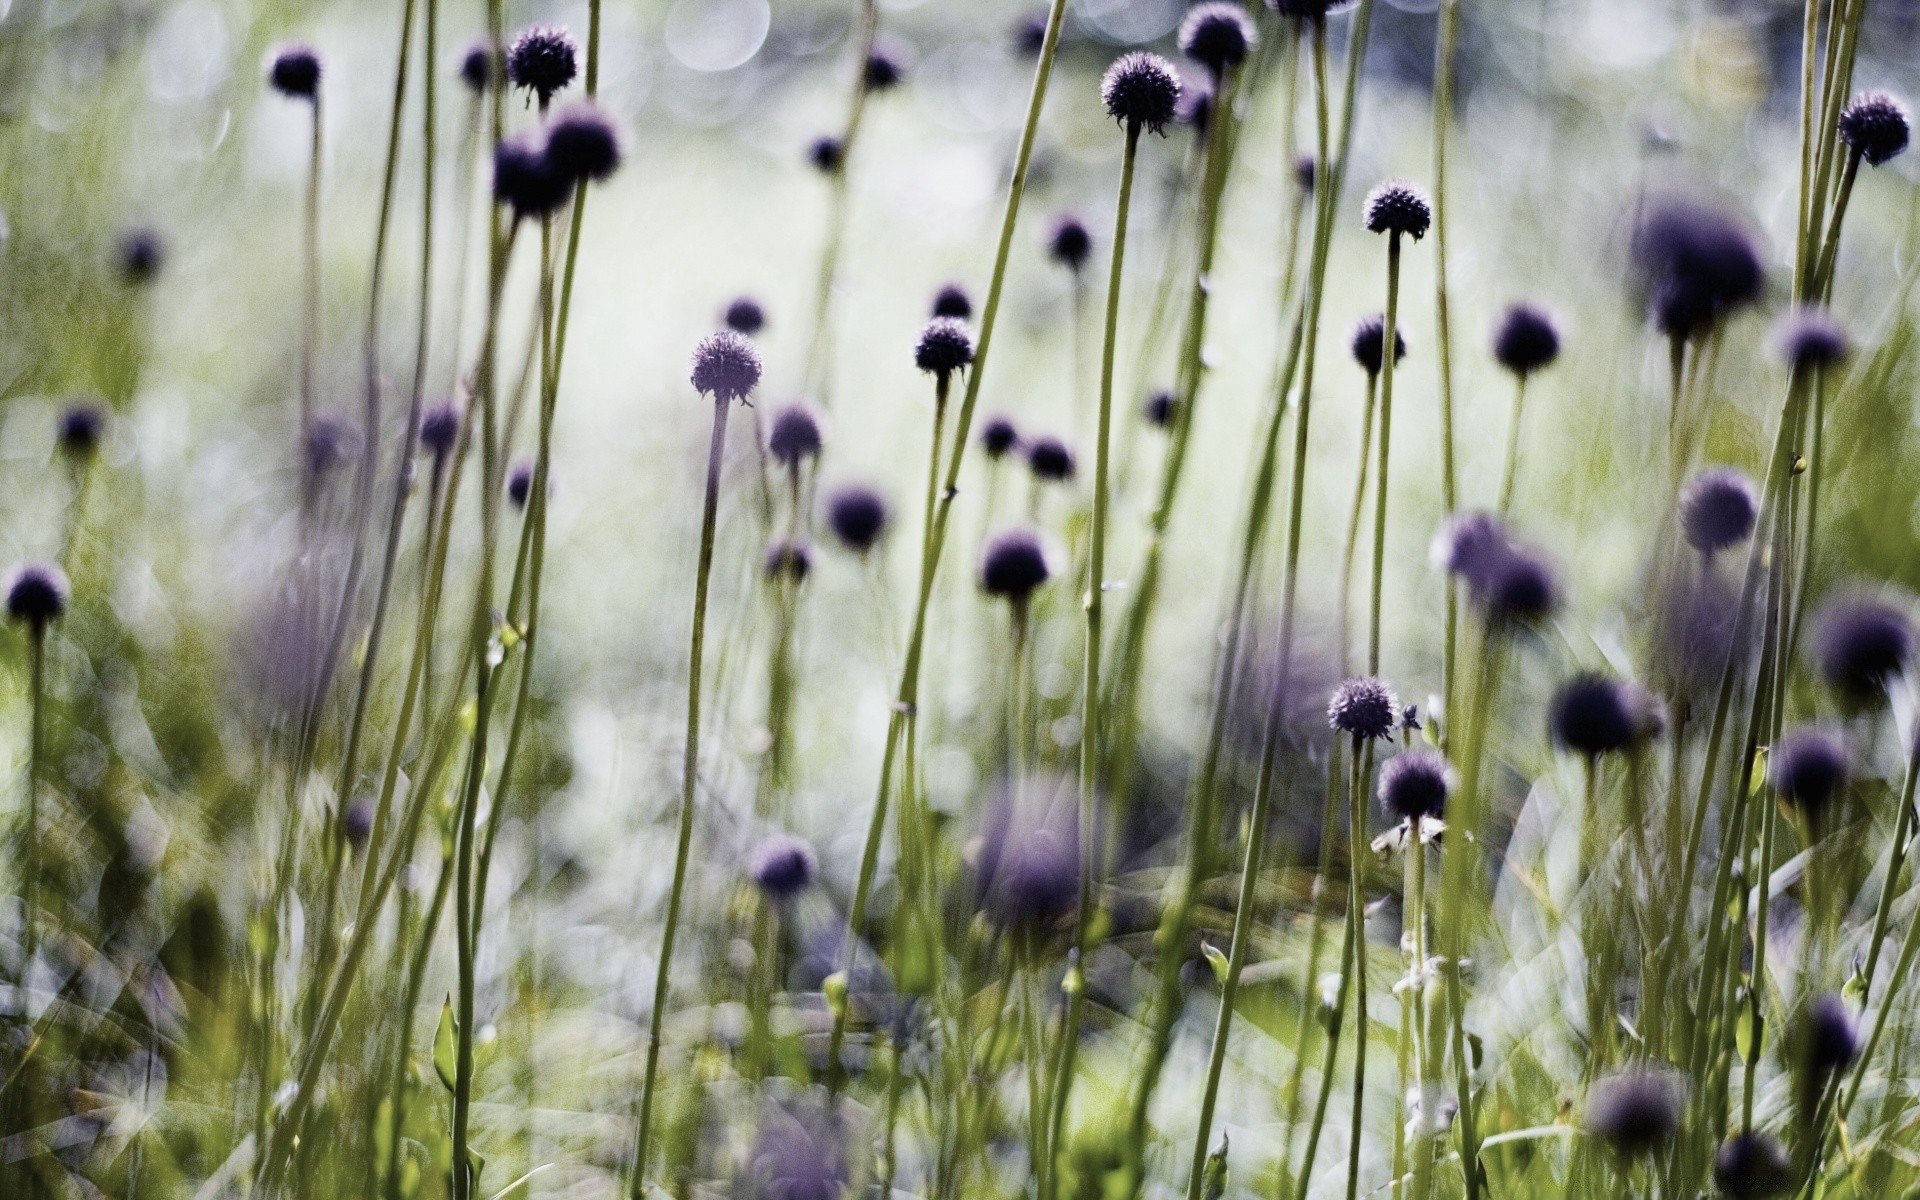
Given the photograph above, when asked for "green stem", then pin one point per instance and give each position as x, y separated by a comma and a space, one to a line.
1512, 470
1387, 335
1352, 548
1357, 922
30, 837
1443, 67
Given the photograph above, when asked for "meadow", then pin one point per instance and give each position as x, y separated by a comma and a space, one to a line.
1100, 600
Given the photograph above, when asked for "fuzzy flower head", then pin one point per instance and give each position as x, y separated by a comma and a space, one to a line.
477, 66
858, 517
1514, 584
1808, 766
1810, 338
329, 442
1717, 509
744, 315
1697, 265
1398, 207
952, 301
1030, 35
1526, 340
885, 67
1307, 10
1027, 858
1364, 708
998, 437
1069, 243
782, 866
524, 178
1368, 336
542, 59
1217, 34
725, 366
520, 483
1196, 108
1305, 168
1414, 784
1050, 459
439, 426
945, 346
356, 822
1830, 1038
36, 595
788, 560
1160, 408
582, 145
1593, 715
81, 424
1141, 91
1014, 564
793, 436
1751, 1166
1875, 126
1861, 645
826, 153
1635, 1111
293, 70
141, 255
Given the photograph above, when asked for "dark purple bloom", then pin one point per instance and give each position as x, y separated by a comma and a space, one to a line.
36, 595
81, 424
439, 426
356, 823
1160, 408
1875, 126
1015, 563
858, 517
1861, 645
1368, 337
294, 71
1069, 243
477, 65
1050, 459
524, 178
1808, 766
826, 153
952, 301
141, 255
725, 366
1141, 91
1635, 1112
1304, 170
794, 434
1717, 509
1526, 340
885, 67
1832, 1038
945, 346
998, 436
582, 144
745, 315
520, 483
1398, 207
542, 59
1414, 784
1364, 708
1697, 265
1028, 863
1594, 715
329, 442
1751, 1166
1811, 338
782, 866
1217, 34
790, 560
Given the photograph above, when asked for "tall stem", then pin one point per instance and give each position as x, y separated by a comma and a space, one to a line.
1387, 334
1512, 470
1352, 548
1357, 926
30, 838
1443, 56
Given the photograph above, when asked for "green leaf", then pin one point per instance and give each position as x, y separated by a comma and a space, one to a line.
445, 1045
1749, 1031
383, 1133
1217, 961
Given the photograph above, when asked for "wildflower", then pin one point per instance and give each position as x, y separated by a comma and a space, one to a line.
1593, 715
1808, 766
36, 595
788, 560
794, 435
1697, 266
1861, 645
1160, 408
1635, 1111
744, 315
1368, 336
356, 823
1717, 509
1875, 126
826, 153
1751, 1166
1832, 1041
329, 442
1398, 207
477, 65
1015, 563
524, 178
944, 347
952, 301
1526, 340
141, 255
1518, 587
1050, 460
1414, 784
782, 866
998, 436
1141, 91
858, 517
520, 483
1304, 169
1028, 860
885, 68
725, 366
1364, 708
1217, 34
81, 424
1307, 10
582, 144
1810, 338
542, 59
1195, 109
1069, 243
1467, 543
1030, 35
439, 425
293, 70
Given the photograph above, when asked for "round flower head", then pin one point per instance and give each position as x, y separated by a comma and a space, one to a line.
1594, 715
725, 366
1030, 35
294, 71
1832, 1040
1414, 784
524, 178
952, 301
1069, 243
794, 435
520, 483
1717, 509
826, 153
1861, 645
439, 425
1160, 408
356, 822
789, 560
858, 517
582, 144
1808, 767
1467, 544
886, 66
1525, 340
477, 65
945, 346
1364, 708
1697, 265
36, 595
744, 315
1875, 126
1399, 207
1304, 170
1217, 35
1195, 109
141, 254
1307, 10
81, 424
1519, 587
1811, 338
1015, 563
542, 59
782, 866
1751, 1166
998, 436
1367, 338
1050, 460
1141, 91
1027, 860
329, 443
1635, 1112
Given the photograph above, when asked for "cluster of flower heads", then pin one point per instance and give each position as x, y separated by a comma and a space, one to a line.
1512, 583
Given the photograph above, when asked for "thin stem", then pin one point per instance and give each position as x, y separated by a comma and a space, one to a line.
1512, 470
30, 837
1352, 548
1357, 922
1387, 335
1443, 66
310, 265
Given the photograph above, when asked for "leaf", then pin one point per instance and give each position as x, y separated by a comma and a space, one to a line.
1749, 1031
445, 1042
1217, 961
383, 1133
